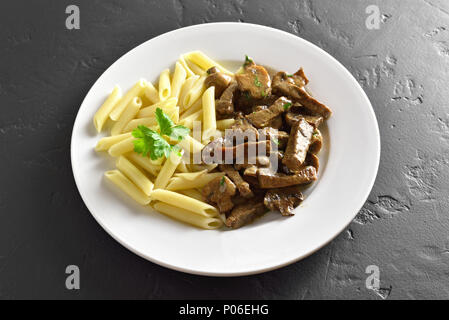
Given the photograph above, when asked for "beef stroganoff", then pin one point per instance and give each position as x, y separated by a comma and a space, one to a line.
214, 148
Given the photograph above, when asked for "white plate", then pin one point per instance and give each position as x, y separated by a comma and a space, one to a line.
349, 162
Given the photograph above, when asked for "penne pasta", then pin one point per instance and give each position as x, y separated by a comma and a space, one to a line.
144, 162
122, 147
103, 113
188, 121
182, 167
182, 61
151, 92
127, 115
151, 121
179, 77
225, 124
189, 217
193, 193
135, 175
194, 93
164, 85
209, 121
105, 143
191, 145
151, 110
183, 182
121, 181
203, 61
167, 170
181, 201
196, 69
135, 91
197, 106
188, 84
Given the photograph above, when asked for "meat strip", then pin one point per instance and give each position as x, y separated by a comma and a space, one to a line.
284, 85
242, 185
264, 117
225, 105
245, 213
298, 145
219, 192
284, 200
268, 179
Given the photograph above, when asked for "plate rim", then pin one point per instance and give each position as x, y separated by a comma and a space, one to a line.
253, 271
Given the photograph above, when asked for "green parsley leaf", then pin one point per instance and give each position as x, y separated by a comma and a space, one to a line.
257, 81
222, 181
150, 143
289, 75
263, 93
275, 141
287, 105
168, 128
164, 122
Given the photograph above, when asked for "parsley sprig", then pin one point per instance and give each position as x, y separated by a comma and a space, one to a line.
151, 143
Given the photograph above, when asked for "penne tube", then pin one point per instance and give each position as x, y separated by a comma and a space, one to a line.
188, 121
197, 106
135, 175
189, 217
164, 85
209, 121
182, 181
196, 69
181, 201
135, 91
103, 113
105, 143
151, 93
182, 61
127, 115
121, 181
225, 124
186, 87
203, 61
151, 121
193, 193
165, 105
122, 147
191, 145
167, 170
144, 162
182, 167
194, 93
179, 77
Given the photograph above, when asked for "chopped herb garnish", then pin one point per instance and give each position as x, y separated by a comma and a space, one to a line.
287, 105
275, 141
289, 75
222, 181
247, 95
257, 81
263, 93
248, 61
151, 143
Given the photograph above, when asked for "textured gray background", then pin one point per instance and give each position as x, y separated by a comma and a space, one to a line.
46, 70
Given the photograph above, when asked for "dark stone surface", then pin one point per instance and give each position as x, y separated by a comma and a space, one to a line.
46, 70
